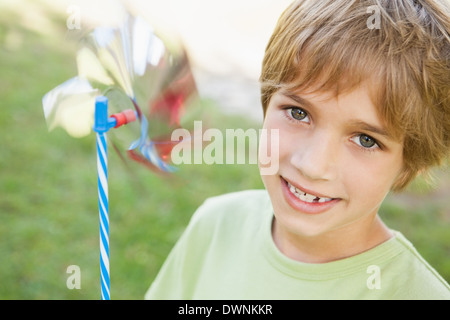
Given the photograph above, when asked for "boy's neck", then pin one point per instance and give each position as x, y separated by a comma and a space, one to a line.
332, 246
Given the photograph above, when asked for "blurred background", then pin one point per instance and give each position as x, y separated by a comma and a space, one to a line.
48, 181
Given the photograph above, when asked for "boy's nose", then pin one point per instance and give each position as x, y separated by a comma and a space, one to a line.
316, 157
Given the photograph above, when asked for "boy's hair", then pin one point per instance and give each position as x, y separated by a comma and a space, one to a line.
403, 55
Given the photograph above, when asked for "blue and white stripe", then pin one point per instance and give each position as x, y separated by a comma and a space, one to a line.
102, 172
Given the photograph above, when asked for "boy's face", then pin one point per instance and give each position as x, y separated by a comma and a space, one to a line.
336, 162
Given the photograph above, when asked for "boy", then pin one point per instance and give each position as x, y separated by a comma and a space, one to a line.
361, 104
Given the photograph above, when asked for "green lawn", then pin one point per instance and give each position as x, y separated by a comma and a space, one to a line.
48, 190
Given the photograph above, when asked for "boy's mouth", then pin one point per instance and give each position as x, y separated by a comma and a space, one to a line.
306, 197
306, 201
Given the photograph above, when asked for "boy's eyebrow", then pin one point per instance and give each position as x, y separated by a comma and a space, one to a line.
370, 128
361, 125
298, 99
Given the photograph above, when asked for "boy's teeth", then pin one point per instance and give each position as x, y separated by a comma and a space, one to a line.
306, 196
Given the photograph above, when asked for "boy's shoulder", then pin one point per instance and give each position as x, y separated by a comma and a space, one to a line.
233, 208
246, 200
414, 276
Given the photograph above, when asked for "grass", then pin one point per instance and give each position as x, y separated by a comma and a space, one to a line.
48, 190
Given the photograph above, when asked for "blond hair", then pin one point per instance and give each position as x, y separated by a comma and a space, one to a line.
331, 45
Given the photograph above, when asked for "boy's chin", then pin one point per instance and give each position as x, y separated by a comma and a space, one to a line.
299, 228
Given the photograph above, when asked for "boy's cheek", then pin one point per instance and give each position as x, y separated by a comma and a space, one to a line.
369, 183
269, 151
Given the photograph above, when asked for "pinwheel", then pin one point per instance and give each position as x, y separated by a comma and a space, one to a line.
131, 73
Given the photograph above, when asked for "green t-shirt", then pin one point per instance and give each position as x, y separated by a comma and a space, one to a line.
227, 252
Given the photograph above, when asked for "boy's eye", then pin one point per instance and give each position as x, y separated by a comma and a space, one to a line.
365, 141
298, 114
